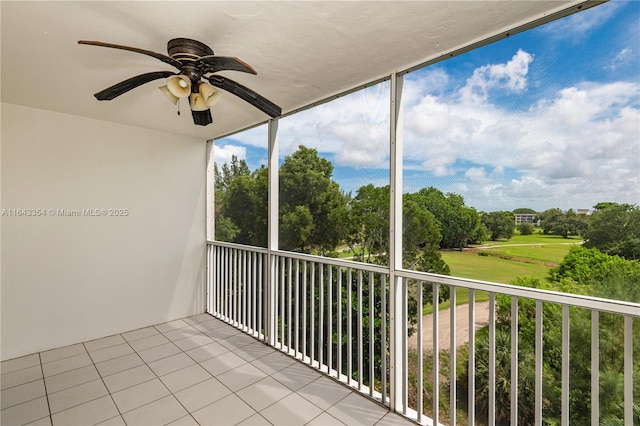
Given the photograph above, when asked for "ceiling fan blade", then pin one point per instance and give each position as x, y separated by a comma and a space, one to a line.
131, 83
246, 94
223, 63
164, 58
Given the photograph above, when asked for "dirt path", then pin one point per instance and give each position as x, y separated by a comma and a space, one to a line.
462, 326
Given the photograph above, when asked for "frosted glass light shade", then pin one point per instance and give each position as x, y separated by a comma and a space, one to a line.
206, 97
165, 90
179, 86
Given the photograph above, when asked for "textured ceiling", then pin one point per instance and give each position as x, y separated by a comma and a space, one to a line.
303, 52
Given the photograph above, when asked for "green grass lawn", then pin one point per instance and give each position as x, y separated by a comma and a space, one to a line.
489, 268
535, 238
550, 254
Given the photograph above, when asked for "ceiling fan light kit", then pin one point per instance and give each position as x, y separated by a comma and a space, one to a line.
195, 61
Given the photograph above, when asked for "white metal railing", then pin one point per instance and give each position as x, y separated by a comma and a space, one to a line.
336, 315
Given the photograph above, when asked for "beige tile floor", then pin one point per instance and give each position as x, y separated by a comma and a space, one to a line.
193, 371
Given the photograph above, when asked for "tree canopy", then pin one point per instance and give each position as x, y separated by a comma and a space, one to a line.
499, 224
615, 229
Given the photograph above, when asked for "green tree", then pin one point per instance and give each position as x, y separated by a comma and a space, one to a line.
459, 224
523, 210
525, 228
555, 221
306, 180
583, 271
615, 229
499, 224
241, 204
368, 236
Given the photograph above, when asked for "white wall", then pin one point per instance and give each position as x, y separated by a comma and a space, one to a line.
71, 279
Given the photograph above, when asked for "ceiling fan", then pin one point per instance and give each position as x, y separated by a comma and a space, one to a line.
195, 61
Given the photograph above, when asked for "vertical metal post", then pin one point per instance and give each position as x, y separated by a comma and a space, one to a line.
371, 337
272, 231
564, 412
492, 359
289, 307
514, 360
359, 327
349, 327
329, 318
628, 370
538, 373
595, 368
339, 326
321, 345
472, 357
397, 327
383, 339
419, 336
297, 313
436, 352
453, 374
211, 192
312, 305
304, 310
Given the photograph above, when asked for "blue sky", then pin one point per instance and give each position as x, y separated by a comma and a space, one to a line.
546, 118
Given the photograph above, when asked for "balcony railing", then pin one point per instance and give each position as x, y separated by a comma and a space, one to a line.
351, 321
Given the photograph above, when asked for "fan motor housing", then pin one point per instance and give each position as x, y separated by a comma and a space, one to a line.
186, 49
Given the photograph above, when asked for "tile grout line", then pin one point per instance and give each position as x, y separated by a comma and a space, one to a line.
44, 383
105, 386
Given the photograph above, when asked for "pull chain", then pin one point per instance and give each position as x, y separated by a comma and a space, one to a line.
178, 104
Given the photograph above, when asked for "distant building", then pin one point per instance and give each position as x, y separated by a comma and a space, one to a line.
583, 211
531, 218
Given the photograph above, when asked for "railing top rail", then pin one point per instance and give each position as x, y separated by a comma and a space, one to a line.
238, 246
570, 299
577, 300
370, 267
308, 257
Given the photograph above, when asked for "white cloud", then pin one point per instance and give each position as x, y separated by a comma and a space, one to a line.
223, 154
574, 27
576, 147
511, 76
622, 58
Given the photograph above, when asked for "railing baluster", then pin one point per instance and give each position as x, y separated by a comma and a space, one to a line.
283, 306
383, 339
297, 313
289, 300
321, 346
312, 305
360, 349
260, 291
339, 326
492, 359
245, 291
349, 327
564, 411
405, 351
329, 319
453, 353
514, 360
304, 309
538, 373
436, 353
471, 402
371, 339
420, 350
628, 370
254, 291
595, 368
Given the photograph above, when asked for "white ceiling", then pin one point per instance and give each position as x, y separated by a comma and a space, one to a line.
303, 52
